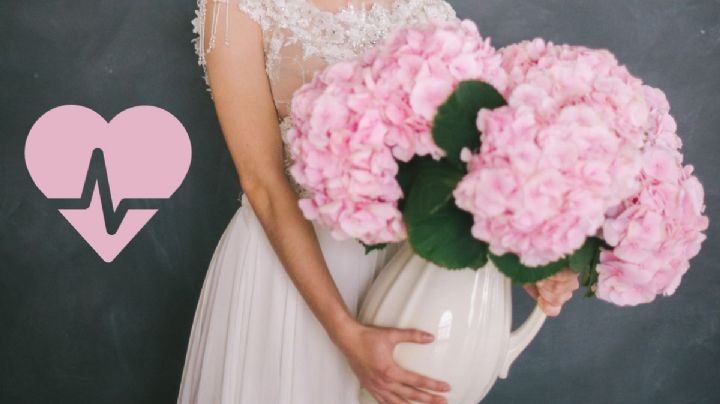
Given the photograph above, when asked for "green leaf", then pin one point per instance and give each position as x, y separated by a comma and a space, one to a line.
405, 177
589, 276
437, 229
510, 265
454, 123
588, 279
582, 258
370, 247
432, 187
444, 238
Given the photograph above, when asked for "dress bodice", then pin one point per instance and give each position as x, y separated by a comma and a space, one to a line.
300, 37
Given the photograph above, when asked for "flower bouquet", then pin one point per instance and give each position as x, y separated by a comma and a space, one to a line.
493, 166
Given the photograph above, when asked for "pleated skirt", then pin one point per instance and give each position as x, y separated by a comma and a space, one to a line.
254, 339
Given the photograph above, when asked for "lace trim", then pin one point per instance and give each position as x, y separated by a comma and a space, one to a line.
340, 35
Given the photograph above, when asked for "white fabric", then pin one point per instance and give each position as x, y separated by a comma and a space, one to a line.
254, 339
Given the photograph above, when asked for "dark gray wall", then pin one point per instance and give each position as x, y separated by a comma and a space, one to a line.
74, 329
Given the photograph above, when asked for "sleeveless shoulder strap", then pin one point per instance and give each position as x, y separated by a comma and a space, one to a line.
260, 11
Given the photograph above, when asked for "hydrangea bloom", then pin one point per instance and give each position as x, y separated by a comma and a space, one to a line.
355, 119
655, 232
564, 150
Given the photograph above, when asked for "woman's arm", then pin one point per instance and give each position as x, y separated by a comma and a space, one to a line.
248, 119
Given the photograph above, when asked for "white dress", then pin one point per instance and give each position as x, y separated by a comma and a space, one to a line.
254, 339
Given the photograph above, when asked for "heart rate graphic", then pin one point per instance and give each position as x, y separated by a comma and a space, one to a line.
97, 175
107, 179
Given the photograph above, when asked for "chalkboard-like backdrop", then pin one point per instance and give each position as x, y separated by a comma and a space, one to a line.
74, 329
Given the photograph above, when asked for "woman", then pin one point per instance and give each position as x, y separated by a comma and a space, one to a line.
275, 322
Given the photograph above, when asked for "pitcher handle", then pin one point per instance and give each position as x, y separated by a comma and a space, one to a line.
521, 338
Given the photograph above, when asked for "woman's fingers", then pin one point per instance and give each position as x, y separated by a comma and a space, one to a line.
561, 285
568, 279
555, 298
410, 335
549, 308
411, 393
566, 273
419, 381
532, 290
390, 397
552, 292
395, 384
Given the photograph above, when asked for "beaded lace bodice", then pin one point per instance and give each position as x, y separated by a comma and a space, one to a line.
301, 38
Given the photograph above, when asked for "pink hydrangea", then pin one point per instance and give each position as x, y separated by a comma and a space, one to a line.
564, 150
355, 119
655, 232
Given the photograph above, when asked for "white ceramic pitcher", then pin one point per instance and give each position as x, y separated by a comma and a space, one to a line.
469, 312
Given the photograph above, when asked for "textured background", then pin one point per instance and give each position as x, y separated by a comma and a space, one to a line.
74, 329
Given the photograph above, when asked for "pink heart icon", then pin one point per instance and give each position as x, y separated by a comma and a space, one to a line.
146, 154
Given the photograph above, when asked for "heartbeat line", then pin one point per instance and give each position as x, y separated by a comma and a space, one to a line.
97, 174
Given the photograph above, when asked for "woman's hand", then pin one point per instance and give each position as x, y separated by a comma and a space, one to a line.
551, 293
369, 351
